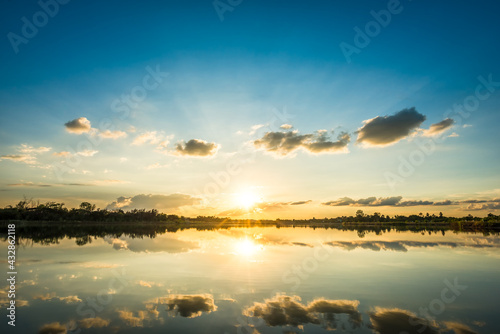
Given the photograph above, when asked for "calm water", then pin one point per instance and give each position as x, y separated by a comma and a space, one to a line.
260, 280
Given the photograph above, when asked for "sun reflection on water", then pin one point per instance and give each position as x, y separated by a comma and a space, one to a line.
247, 247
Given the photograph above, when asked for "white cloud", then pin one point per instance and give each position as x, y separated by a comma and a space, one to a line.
150, 137
112, 134
87, 153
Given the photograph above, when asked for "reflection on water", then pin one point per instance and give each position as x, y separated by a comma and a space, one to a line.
256, 280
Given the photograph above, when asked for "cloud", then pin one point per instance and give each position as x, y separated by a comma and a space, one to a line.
323, 144
147, 245
459, 328
24, 148
396, 201
387, 130
148, 284
47, 296
70, 299
62, 154
402, 246
150, 137
4, 301
454, 135
370, 201
196, 148
27, 159
189, 306
158, 202
445, 202
53, 328
112, 134
286, 126
87, 153
439, 128
78, 126
29, 184
283, 310
27, 154
131, 320
50, 296
489, 205
300, 202
255, 128
374, 201
96, 322
414, 203
282, 143
397, 321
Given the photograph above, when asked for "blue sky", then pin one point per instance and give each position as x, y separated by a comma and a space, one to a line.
263, 60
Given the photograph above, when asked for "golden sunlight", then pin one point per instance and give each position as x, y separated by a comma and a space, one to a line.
246, 199
247, 247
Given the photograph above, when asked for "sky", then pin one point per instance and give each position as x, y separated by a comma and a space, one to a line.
252, 109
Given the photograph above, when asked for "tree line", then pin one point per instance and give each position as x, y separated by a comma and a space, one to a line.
30, 210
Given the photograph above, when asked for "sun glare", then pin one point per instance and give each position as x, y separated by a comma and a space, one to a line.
247, 247
246, 199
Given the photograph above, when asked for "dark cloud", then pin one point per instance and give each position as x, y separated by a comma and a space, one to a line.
386, 130
78, 126
189, 306
445, 202
196, 148
474, 201
341, 202
396, 201
370, 201
438, 128
397, 321
284, 310
148, 202
283, 143
300, 202
402, 246
398, 246
414, 203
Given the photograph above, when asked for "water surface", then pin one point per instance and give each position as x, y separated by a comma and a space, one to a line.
260, 280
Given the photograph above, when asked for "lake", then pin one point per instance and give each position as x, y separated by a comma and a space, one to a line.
259, 280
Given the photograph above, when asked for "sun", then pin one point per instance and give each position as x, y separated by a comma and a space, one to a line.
246, 247
246, 199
